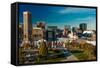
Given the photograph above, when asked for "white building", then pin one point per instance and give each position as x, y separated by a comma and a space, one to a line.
88, 32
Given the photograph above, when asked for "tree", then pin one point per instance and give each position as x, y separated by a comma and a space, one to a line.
43, 49
21, 56
67, 44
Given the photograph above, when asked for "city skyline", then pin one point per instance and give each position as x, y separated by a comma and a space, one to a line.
50, 32
60, 16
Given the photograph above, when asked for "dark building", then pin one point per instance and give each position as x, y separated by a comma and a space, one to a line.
79, 33
50, 35
52, 28
83, 26
74, 29
59, 33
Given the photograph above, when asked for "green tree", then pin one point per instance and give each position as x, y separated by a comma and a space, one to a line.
21, 56
43, 49
67, 44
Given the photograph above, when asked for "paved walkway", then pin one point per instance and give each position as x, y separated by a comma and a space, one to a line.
70, 58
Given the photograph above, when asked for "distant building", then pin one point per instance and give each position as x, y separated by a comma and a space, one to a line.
83, 26
79, 33
41, 24
88, 32
50, 35
72, 37
65, 32
59, 33
74, 29
37, 33
20, 32
51, 32
54, 28
27, 26
27, 30
68, 27
91, 36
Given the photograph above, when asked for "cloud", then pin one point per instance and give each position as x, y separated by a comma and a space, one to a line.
76, 10
88, 18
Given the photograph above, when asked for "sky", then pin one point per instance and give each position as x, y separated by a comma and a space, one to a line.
60, 16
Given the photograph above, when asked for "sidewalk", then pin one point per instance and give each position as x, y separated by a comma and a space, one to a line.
70, 58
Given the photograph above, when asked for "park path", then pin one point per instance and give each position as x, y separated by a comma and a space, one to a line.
70, 58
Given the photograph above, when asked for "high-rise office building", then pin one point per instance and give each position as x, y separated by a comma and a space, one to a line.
27, 26
83, 26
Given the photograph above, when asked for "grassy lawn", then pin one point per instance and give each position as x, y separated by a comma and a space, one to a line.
80, 55
83, 50
54, 60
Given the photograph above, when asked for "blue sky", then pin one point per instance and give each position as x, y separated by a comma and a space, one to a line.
60, 16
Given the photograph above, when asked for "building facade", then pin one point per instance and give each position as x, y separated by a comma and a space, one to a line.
20, 33
27, 26
74, 29
37, 33
83, 26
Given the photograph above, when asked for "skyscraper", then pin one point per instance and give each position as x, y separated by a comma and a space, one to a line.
27, 27
83, 26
